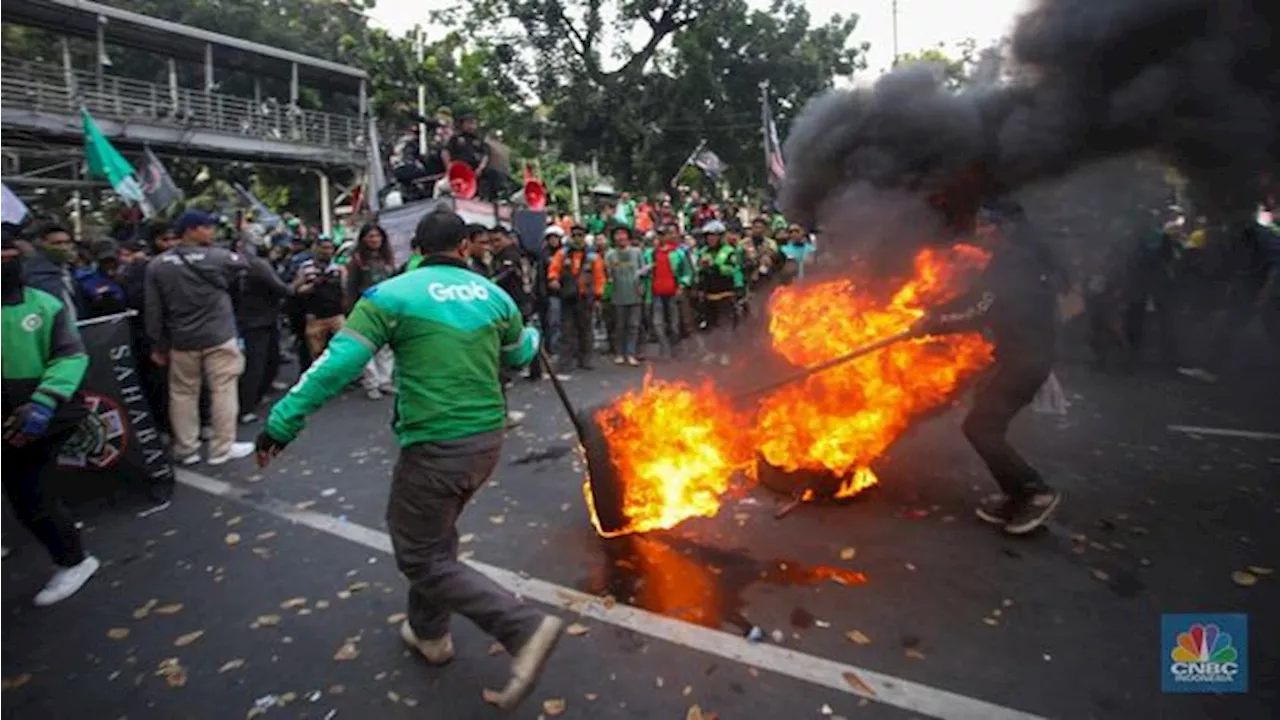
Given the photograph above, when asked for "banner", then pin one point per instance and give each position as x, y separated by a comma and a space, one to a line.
117, 447
710, 163
12, 209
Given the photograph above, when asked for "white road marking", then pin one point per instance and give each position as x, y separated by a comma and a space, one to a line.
1228, 432
887, 689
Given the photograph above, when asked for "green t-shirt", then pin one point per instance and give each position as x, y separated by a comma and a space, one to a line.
622, 265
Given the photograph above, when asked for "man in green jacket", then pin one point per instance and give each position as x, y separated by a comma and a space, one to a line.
44, 364
449, 329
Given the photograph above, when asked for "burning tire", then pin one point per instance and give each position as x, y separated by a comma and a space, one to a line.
824, 484
606, 494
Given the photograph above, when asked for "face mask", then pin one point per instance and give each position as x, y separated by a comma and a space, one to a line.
12, 277
58, 254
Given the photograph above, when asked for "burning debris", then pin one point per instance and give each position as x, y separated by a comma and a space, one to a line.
671, 452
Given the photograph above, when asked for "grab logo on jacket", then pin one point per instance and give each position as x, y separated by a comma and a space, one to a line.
466, 292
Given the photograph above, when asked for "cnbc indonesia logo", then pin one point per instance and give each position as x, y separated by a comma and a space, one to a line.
1204, 654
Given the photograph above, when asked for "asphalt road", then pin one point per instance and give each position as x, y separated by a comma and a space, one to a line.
948, 618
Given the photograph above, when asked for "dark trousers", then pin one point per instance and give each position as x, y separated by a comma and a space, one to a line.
576, 334
430, 488
1010, 387
34, 503
722, 318
261, 363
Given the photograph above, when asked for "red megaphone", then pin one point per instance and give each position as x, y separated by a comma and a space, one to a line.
462, 180
535, 193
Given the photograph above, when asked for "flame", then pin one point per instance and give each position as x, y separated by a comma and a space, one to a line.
677, 450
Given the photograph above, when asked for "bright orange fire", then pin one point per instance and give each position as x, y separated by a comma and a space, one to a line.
843, 419
677, 449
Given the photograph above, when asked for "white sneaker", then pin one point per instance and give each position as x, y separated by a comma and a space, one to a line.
374, 394
67, 582
237, 451
191, 459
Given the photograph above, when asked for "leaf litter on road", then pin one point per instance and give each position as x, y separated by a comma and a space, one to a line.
857, 637
348, 651
848, 553
185, 640
858, 684
1244, 579
232, 538
170, 609
174, 674
118, 633
146, 609
230, 665
553, 706
577, 630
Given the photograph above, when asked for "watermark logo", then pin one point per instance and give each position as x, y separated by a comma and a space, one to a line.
1205, 653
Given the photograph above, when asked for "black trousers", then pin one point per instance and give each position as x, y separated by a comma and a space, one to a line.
261, 363
1010, 387
34, 503
577, 336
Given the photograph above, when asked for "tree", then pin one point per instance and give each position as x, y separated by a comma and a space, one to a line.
955, 68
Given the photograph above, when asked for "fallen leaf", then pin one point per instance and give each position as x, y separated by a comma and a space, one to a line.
1007, 602
856, 636
233, 538
466, 538
491, 696
348, 651
356, 587
234, 521
848, 553
1099, 575
393, 696
118, 633
305, 503
496, 649
293, 603
17, 681
185, 640
170, 609
577, 629
991, 621
497, 519
337, 689
395, 618
658, 681
146, 609
410, 702
172, 671
857, 684
230, 665
1259, 570
322, 604
265, 621
266, 535
344, 594
1244, 579
694, 713
914, 654
553, 706
687, 691
591, 696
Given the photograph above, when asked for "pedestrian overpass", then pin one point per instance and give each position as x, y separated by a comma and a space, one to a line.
39, 108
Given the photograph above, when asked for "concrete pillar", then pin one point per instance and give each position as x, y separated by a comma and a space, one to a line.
326, 204
208, 67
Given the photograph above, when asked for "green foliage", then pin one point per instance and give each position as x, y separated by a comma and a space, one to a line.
955, 68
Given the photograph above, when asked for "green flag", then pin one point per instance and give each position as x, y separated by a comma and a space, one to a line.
107, 163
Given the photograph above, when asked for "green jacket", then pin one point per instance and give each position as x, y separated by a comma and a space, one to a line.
680, 267
724, 273
44, 360
449, 329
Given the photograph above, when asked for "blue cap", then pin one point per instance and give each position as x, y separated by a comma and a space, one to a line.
193, 219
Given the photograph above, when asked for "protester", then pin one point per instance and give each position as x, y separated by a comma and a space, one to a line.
49, 268
546, 304
321, 296
798, 251
191, 326
99, 282
670, 276
1016, 300
44, 364
623, 268
372, 262
717, 272
576, 275
258, 320
450, 416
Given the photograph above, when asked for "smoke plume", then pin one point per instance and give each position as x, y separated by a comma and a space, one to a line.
1195, 81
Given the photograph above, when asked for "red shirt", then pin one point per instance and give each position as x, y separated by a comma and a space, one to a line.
664, 277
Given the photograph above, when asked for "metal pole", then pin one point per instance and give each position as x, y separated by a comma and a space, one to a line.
76, 221
421, 47
764, 125
102, 50
895, 32
326, 205
575, 199
173, 84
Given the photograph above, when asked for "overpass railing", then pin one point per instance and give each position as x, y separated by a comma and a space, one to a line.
46, 88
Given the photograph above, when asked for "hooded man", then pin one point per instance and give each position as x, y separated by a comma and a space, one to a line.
49, 268
44, 364
1014, 301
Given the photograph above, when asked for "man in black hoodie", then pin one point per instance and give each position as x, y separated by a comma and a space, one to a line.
49, 268
1014, 301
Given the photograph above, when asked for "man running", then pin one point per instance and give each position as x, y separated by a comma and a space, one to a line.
449, 329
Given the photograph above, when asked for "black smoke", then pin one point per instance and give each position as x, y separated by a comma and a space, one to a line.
1196, 82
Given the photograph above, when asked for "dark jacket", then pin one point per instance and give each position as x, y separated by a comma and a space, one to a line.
189, 297
44, 359
59, 281
263, 292
1014, 300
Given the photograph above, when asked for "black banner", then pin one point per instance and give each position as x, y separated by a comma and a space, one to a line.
117, 447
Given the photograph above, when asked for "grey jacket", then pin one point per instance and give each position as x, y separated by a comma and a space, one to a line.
188, 297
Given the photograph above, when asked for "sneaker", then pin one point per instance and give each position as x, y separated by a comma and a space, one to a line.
437, 652
374, 394
67, 581
1032, 512
192, 459
619, 360
237, 451
633, 361
528, 663
997, 513
248, 418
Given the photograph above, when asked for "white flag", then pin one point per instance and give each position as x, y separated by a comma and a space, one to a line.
12, 209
